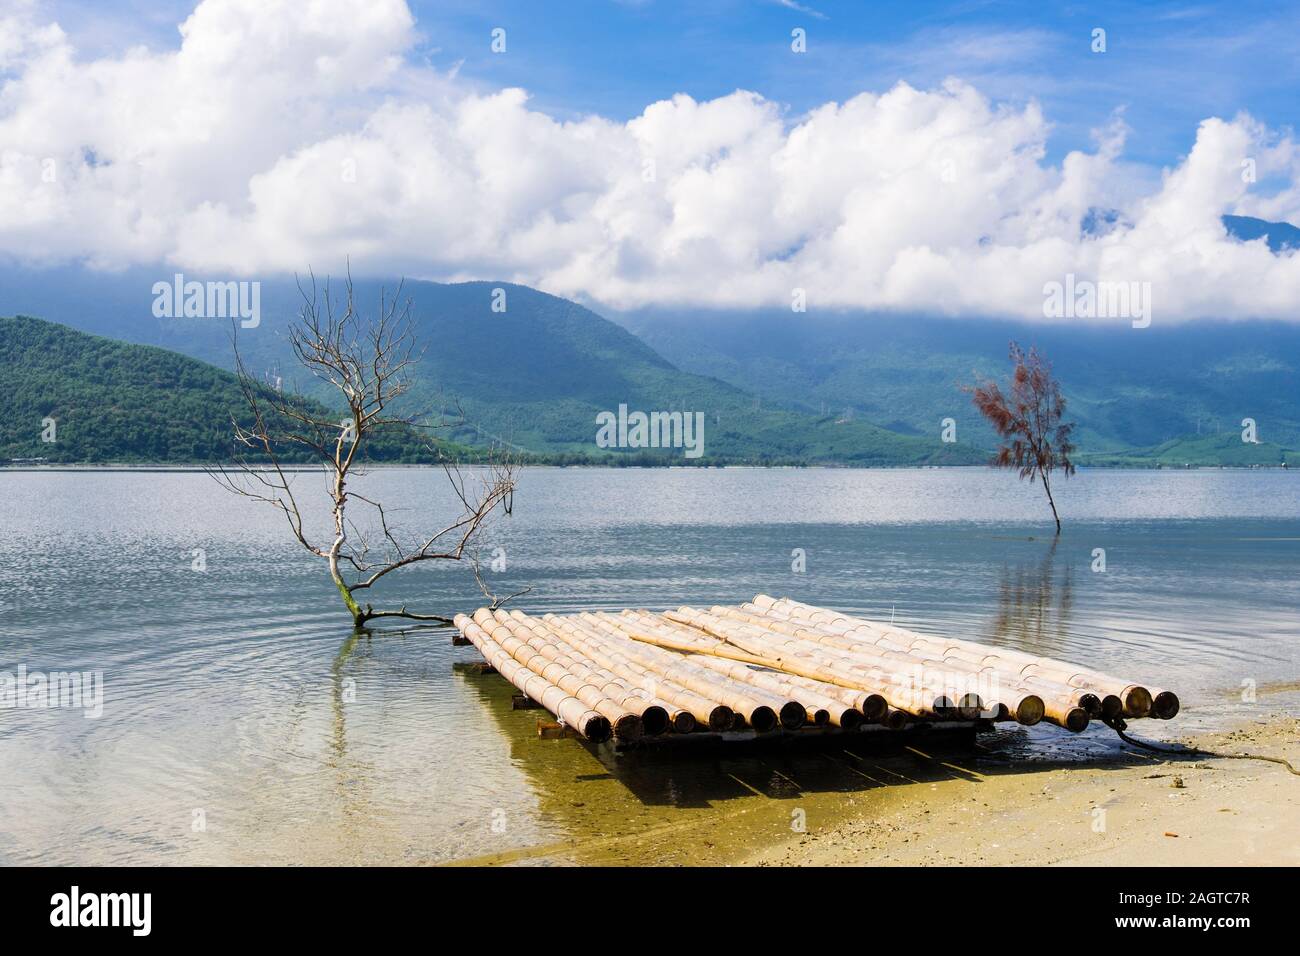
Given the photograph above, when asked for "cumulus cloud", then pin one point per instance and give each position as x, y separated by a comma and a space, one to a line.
285, 134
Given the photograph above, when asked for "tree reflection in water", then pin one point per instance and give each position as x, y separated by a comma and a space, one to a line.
1035, 602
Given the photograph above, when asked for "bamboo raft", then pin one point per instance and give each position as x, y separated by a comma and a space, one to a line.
775, 665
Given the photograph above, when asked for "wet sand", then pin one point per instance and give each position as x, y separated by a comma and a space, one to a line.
1156, 811
1007, 798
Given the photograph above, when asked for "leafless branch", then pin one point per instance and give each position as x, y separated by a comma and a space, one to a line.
367, 362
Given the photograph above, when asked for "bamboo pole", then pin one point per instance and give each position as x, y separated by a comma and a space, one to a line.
1026, 700
1067, 697
793, 655
1136, 699
819, 668
687, 711
872, 706
792, 709
760, 710
788, 646
817, 710
654, 717
1029, 699
716, 716
969, 703
909, 642
755, 705
710, 713
566, 708
835, 708
627, 725
896, 719
679, 720
844, 707
821, 709
1164, 704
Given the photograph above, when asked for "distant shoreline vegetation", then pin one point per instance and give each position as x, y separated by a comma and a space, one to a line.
83, 401
1105, 463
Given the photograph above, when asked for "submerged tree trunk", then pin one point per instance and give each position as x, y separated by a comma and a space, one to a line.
341, 536
358, 615
1050, 500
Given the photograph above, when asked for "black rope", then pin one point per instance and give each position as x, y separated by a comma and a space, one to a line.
1118, 725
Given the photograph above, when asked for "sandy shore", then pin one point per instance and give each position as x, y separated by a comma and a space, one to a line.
1147, 809
1007, 798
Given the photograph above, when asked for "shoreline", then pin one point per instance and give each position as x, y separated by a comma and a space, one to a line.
148, 468
1007, 801
1150, 809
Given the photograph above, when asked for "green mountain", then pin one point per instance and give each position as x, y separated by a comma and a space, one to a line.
1198, 452
537, 375
843, 387
114, 402
534, 376
1130, 390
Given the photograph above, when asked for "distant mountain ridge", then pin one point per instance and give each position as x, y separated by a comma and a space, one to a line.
1127, 389
1131, 391
534, 376
840, 387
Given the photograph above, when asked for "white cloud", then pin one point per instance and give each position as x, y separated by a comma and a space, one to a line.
285, 134
801, 8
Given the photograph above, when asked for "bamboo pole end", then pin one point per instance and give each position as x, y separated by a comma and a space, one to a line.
722, 718
1137, 701
1166, 705
793, 715
850, 719
597, 729
1076, 720
970, 706
874, 707
1030, 710
895, 719
654, 721
628, 727
764, 720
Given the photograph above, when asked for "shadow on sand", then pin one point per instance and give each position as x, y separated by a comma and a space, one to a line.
663, 805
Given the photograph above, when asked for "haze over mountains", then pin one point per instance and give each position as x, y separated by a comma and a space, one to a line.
774, 386
533, 377
1127, 388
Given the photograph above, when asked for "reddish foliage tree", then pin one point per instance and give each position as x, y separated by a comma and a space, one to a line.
1028, 419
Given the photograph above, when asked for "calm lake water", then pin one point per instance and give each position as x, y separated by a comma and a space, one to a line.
243, 723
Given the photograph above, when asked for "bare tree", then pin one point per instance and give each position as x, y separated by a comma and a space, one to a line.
367, 361
1035, 439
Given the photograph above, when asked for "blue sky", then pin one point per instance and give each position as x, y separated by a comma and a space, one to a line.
285, 134
1167, 65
